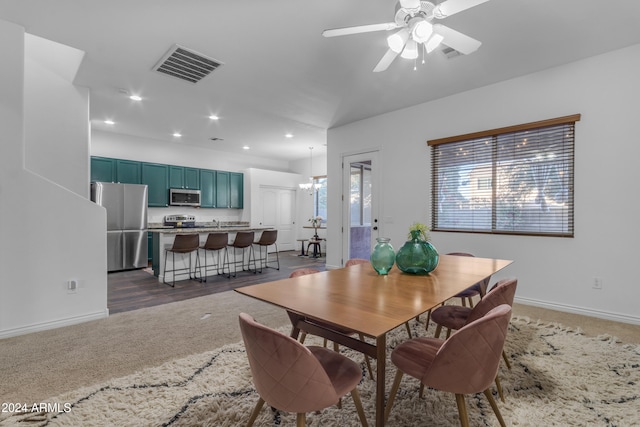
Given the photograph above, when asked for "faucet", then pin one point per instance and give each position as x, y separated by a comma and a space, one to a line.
216, 223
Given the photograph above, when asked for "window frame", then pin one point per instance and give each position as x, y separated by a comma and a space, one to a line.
495, 135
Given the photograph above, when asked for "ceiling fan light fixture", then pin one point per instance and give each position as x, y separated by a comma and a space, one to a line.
398, 40
433, 42
410, 50
421, 32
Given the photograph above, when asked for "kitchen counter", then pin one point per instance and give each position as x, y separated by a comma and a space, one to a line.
162, 238
189, 230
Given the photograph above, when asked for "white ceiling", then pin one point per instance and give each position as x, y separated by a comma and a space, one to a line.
280, 75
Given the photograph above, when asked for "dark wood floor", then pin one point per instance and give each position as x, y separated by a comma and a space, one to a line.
134, 289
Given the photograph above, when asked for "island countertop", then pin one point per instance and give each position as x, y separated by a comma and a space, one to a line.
191, 230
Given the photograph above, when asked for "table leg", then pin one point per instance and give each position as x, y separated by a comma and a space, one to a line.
381, 349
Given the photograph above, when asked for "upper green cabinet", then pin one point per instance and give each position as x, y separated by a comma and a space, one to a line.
156, 177
229, 190
219, 189
222, 189
128, 172
103, 169
207, 188
182, 177
236, 190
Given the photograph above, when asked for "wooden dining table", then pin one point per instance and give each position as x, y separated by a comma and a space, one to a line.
358, 299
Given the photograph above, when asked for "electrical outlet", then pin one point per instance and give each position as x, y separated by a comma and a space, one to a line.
597, 283
72, 286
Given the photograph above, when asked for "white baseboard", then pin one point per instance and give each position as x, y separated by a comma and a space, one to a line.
54, 324
616, 317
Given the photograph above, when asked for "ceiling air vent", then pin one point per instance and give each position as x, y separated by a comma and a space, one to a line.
450, 53
186, 64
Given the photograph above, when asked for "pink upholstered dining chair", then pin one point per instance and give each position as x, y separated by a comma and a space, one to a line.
303, 335
466, 363
454, 317
355, 261
303, 271
291, 377
478, 289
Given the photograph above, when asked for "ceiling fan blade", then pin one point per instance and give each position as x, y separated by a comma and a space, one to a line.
387, 26
456, 40
386, 60
451, 7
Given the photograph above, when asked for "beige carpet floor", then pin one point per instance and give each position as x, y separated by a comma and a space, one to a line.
559, 377
37, 366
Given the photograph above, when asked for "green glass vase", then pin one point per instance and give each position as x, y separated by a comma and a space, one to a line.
383, 256
417, 256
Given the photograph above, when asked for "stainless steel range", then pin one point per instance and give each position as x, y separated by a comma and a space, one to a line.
180, 221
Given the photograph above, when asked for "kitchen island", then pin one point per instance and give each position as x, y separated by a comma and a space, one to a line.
162, 238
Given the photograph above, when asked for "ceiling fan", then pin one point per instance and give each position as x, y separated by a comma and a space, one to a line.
415, 19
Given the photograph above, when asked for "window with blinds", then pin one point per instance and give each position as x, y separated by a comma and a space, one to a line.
514, 180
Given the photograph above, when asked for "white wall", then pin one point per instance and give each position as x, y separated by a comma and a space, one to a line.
38, 215
553, 272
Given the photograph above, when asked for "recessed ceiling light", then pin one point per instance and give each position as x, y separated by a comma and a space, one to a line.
214, 117
110, 122
289, 135
135, 98
246, 147
177, 134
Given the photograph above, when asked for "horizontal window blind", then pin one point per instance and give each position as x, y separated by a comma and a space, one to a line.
516, 180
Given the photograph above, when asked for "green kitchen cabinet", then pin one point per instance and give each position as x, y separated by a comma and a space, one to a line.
156, 177
207, 188
128, 171
176, 177
183, 177
192, 178
103, 169
229, 190
236, 190
222, 189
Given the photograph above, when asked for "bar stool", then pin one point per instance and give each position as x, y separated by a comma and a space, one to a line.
243, 240
182, 244
267, 238
215, 243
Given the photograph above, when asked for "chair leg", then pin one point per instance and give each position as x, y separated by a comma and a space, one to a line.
421, 394
366, 360
406, 324
462, 410
495, 408
303, 335
499, 387
301, 419
438, 330
506, 360
255, 412
426, 324
356, 401
392, 394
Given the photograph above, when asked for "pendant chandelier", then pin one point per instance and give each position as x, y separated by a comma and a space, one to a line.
309, 186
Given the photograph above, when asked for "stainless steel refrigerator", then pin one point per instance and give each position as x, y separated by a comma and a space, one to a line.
126, 206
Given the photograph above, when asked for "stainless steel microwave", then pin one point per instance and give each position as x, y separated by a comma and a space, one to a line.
184, 197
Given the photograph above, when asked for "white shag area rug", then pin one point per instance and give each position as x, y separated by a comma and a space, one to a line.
558, 378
